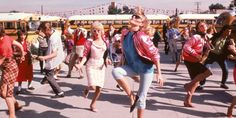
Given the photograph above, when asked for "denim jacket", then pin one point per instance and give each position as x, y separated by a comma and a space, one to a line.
144, 46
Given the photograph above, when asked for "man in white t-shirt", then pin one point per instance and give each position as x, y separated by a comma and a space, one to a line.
53, 58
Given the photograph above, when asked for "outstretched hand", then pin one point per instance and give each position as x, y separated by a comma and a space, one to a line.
78, 66
160, 82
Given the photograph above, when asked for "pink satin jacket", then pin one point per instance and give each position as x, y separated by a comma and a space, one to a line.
192, 48
144, 46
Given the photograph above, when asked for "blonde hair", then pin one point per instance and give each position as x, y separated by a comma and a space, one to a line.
149, 30
146, 27
97, 25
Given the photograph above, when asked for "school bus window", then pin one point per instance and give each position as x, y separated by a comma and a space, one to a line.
83, 22
89, 22
125, 22
118, 22
154, 22
104, 22
109, 22
9, 25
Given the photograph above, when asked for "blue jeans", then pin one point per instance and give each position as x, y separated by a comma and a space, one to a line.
145, 82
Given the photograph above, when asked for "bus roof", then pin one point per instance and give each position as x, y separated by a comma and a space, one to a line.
115, 17
15, 16
198, 16
50, 18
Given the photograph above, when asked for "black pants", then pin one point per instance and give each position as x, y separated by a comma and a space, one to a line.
42, 52
166, 47
52, 82
221, 60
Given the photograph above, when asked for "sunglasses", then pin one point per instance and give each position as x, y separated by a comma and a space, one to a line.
96, 30
136, 16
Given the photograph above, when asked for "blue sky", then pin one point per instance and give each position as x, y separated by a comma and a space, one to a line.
67, 5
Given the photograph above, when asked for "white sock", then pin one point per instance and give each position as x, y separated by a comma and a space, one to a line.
19, 88
60, 93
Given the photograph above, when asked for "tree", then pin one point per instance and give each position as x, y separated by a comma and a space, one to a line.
232, 5
14, 11
126, 10
214, 7
132, 11
113, 10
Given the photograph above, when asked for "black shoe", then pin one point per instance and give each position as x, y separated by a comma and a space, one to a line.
134, 104
175, 70
117, 86
18, 92
224, 86
31, 88
199, 88
43, 81
68, 76
60, 95
81, 77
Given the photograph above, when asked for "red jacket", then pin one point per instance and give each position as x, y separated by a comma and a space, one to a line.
79, 39
192, 48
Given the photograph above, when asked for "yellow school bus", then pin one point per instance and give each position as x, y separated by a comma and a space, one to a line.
192, 19
12, 22
117, 20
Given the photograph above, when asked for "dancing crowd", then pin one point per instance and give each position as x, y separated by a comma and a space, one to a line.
132, 50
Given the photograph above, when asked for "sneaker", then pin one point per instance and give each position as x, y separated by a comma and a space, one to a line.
59, 95
224, 86
199, 88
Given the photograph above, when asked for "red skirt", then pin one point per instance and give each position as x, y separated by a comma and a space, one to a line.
25, 70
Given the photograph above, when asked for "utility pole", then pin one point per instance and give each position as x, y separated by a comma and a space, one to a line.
41, 9
198, 4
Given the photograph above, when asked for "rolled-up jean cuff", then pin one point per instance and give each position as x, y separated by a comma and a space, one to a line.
120, 72
141, 103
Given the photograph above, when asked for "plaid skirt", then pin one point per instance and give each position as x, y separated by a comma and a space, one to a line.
9, 74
